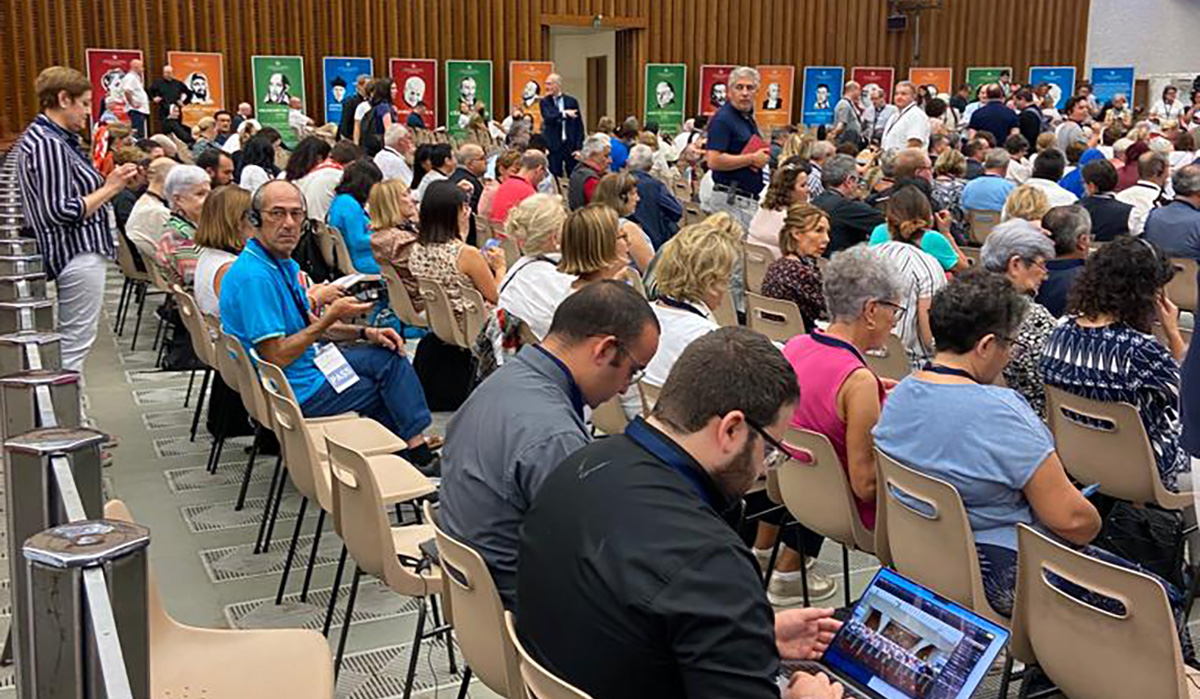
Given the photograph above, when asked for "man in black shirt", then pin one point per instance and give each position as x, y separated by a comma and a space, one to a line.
472, 164
850, 219
1029, 117
632, 581
350, 107
167, 91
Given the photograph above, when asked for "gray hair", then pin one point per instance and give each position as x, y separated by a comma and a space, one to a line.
1017, 238
641, 157
875, 90
906, 83
468, 152
394, 134
1066, 224
181, 179
836, 169
744, 72
855, 276
996, 159
1187, 180
821, 150
533, 159
1121, 145
594, 146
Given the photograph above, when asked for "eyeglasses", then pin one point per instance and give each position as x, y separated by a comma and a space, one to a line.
636, 371
1013, 342
781, 452
899, 310
278, 215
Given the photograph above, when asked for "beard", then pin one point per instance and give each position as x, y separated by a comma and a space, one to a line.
739, 475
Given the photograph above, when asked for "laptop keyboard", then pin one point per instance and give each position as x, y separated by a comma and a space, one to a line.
790, 666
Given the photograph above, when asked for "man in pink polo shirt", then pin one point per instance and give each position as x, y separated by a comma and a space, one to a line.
517, 187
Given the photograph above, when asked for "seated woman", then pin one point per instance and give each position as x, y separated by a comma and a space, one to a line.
1026, 202
841, 396
258, 162
789, 185
348, 214
1018, 249
507, 163
222, 234
938, 243
185, 190
618, 191
949, 178
593, 247
949, 423
310, 152
1104, 350
534, 286
394, 232
796, 276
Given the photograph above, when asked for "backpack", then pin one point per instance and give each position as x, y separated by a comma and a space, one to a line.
370, 124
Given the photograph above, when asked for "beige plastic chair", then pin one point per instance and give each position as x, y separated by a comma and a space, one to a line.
779, 320
345, 263
478, 615
538, 681
1089, 652
1118, 457
325, 243
757, 259
609, 416
890, 362
202, 344
980, 223
474, 315
649, 394
1182, 288
725, 314
634, 279
189, 661
439, 314
399, 298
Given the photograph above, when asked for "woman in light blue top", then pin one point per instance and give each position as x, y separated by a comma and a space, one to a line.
910, 209
348, 212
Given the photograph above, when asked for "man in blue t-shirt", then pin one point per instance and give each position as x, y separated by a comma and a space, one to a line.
733, 128
995, 116
265, 306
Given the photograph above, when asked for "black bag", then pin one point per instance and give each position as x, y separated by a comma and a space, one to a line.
1148, 536
179, 355
308, 254
446, 372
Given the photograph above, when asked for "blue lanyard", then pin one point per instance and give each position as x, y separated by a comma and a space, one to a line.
829, 341
668, 453
289, 283
572, 388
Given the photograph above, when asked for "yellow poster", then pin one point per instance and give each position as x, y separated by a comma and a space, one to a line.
773, 105
527, 86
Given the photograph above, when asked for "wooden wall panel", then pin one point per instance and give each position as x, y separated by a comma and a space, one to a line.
39, 33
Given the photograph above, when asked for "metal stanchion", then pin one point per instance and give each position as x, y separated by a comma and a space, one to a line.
30, 350
25, 398
16, 246
88, 590
19, 316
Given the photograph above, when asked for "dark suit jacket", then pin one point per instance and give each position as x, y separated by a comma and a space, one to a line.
850, 220
552, 125
1110, 218
460, 175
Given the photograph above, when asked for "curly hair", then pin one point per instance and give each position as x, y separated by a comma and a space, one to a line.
783, 184
800, 217
1027, 202
976, 304
693, 261
728, 226
1122, 279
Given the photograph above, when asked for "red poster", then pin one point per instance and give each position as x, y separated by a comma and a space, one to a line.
883, 78
714, 88
416, 83
105, 69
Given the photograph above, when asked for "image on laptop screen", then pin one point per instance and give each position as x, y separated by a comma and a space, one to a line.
905, 642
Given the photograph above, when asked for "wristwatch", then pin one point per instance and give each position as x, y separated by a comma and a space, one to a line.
362, 333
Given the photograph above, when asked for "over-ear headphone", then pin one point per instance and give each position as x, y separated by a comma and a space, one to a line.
254, 213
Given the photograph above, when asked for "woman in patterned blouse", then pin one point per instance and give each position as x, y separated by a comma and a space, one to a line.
796, 276
1105, 351
1018, 249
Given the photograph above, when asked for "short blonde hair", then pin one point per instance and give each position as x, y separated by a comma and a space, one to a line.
589, 240
606, 124
56, 79
536, 223
693, 261
951, 162
203, 125
221, 219
1027, 202
383, 203
802, 217
1045, 141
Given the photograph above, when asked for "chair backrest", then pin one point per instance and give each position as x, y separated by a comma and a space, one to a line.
248, 385
399, 298
126, 263
160, 621
309, 473
816, 490
634, 279
779, 320
1182, 289
202, 342
325, 237
981, 223
538, 681
725, 314
757, 259
1106, 443
478, 614
439, 313
609, 416
891, 361
345, 263
474, 315
649, 394
921, 530
156, 276
225, 363
1085, 650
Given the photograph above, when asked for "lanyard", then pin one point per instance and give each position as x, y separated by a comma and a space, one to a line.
257, 250
830, 341
669, 454
950, 371
681, 305
572, 388
888, 128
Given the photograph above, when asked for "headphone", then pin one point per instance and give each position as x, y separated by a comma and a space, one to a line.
254, 213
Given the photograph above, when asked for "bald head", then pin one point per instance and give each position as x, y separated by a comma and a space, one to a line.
470, 157
157, 173
912, 162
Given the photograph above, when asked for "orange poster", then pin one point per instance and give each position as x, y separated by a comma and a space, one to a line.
204, 75
527, 86
941, 78
773, 105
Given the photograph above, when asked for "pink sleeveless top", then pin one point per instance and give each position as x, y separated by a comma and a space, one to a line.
822, 365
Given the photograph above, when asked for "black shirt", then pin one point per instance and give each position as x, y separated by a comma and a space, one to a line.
171, 91
349, 107
850, 220
1029, 121
1110, 218
995, 118
729, 131
632, 583
1054, 290
462, 174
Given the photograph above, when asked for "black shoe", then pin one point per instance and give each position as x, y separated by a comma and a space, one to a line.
431, 468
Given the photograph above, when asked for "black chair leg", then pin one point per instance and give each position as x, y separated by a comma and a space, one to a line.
200, 402
462, 688
121, 305
214, 454
804, 575
187, 397
1004, 681
447, 633
333, 592
137, 323
241, 501
774, 556
341, 651
312, 556
274, 512
291, 554
262, 527
416, 649
846, 573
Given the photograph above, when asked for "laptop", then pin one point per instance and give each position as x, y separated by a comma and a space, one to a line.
902, 641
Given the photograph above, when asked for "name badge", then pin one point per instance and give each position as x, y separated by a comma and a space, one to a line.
336, 369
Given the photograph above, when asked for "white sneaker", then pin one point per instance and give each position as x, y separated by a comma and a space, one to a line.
763, 557
783, 592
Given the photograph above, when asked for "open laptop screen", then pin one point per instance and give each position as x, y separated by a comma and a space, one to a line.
904, 641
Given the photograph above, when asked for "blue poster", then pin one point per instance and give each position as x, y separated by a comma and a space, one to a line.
1060, 78
822, 91
340, 75
1109, 82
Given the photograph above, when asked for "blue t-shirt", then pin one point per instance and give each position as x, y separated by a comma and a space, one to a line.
347, 215
984, 440
729, 131
261, 299
995, 118
620, 153
986, 192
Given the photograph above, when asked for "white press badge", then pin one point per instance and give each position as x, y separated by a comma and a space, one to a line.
334, 366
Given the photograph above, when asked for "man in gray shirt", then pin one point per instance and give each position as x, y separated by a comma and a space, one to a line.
527, 417
847, 115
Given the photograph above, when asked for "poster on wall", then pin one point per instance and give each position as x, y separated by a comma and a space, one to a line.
941, 78
1111, 81
526, 85
204, 75
984, 76
105, 69
714, 88
666, 94
773, 104
276, 80
822, 91
877, 76
468, 87
416, 83
1060, 78
338, 76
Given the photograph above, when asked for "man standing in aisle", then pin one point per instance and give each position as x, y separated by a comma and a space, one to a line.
167, 91
562, 125
736, 152
137, 102
909, 128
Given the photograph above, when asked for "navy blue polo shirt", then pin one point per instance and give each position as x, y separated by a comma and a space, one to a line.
996, 118
728, 132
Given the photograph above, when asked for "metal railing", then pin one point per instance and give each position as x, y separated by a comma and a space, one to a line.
79, 582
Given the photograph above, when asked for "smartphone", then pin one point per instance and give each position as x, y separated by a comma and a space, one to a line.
1089, 490
491, 243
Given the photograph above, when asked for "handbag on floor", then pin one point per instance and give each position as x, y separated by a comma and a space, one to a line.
447, 373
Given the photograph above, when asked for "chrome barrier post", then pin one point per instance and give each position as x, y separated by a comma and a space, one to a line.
88, 593
43, 490
30, 350
39, 398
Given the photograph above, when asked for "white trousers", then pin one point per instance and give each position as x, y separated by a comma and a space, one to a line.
80, 296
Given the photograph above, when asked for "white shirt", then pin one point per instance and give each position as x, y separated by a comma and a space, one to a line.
430, 177
1057, 195
908, 124
134, 92
532, 290
1166, 112
393, 165
317, 188
208, 264
922, 277
232, 144
253, 177
298, 120
361, 111
1019, 171
1143, 197
678, 327
145, 224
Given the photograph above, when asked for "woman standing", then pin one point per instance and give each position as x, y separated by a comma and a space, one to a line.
796, 276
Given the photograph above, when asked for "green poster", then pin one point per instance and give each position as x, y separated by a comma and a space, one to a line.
276, 80
983, 76
666, 93
468, 87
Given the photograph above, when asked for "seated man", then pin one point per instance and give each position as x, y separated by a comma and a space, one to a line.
1110, 218
989, 191
633, 580
264, 306
1176, 227
1070, 228
527, 417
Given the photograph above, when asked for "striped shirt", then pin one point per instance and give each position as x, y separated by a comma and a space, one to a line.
920, 276
55, 176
